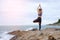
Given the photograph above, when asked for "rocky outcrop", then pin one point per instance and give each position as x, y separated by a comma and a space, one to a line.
56, 23
46, 34
51, 37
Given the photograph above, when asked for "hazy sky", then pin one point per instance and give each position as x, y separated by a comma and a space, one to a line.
23, 12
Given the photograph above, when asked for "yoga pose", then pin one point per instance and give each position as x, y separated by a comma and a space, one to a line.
39, 10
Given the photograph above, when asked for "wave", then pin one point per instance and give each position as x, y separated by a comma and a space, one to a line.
6, 36
30, 28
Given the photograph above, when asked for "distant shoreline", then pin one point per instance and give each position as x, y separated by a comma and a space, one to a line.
55, 24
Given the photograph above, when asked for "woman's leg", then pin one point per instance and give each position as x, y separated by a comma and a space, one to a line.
39, 26
39, 23
36, 20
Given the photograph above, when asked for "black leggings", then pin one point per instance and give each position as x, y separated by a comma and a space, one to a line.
39, 21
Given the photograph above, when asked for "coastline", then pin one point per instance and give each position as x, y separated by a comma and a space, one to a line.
36, 35
30, 34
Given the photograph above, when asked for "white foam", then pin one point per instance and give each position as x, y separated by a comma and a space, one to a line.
6, 36
29, 28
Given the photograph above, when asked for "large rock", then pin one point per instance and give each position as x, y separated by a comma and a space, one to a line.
37, 35
51, 37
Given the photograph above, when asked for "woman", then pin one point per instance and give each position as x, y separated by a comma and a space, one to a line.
39, 10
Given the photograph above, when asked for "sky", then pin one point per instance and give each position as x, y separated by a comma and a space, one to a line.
23, 12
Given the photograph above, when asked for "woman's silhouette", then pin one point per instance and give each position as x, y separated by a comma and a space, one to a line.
39, 10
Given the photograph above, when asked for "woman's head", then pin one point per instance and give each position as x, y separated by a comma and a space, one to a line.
40, 9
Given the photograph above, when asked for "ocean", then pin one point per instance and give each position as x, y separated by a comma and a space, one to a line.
5, 29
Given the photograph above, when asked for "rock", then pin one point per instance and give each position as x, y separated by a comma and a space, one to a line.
35, 29
14, 38
57, 29
46, 34
51, 37
17, 33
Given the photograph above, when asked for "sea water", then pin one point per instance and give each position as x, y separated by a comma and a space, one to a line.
5, 36
5, 29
